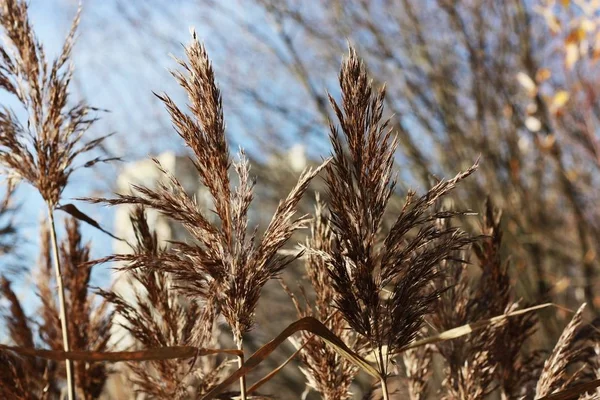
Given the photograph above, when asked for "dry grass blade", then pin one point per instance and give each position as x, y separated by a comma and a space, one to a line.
161, 353
468, 328
274, 372
308, 324
75, 212
573, 392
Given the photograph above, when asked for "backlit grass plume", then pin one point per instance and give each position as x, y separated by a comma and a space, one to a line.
88, 328
41, 150
326, 371
380, 285
155, 315
225, 266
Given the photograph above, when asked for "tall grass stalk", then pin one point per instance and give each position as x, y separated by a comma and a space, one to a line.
62, 303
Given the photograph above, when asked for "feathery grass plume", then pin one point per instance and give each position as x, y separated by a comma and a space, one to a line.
22, 377
157, 317
42, 151
492, 355
34, 378
89, 323
514, 369
225, 262
326, 371
360, 184
418, 367
469, 367
595, 364
568, 353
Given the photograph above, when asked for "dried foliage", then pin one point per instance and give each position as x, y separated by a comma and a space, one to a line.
491, 358
326, 371
155, 316
378, 282
225, 263
43, 150
567, 353
89, 324
363, 269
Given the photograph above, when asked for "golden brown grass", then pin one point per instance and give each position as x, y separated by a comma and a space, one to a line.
375, 287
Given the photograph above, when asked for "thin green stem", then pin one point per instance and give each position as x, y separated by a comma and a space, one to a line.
62, 304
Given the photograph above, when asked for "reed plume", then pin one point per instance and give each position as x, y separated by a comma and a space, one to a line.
380, 284
42, 151
225, 266
156, 316
88, 329
326, 371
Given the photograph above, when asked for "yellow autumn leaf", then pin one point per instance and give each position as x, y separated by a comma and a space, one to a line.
576, 35
560, 99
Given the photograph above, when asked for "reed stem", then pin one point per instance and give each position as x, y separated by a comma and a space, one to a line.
240, 346
62, 304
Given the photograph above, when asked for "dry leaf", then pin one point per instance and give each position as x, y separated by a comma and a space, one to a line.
468, 328
559, 100
542, 75
576, 35
161, 353
308, 324
73, 211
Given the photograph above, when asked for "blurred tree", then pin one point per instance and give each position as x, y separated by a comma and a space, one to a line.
511, 81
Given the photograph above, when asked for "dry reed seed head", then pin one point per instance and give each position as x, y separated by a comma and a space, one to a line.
204, 134
418, 368
326, 372
159, 317
19, 377
568, 352
43, 150
89, 324
224, 260
15, 319
360, 183
494, 353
